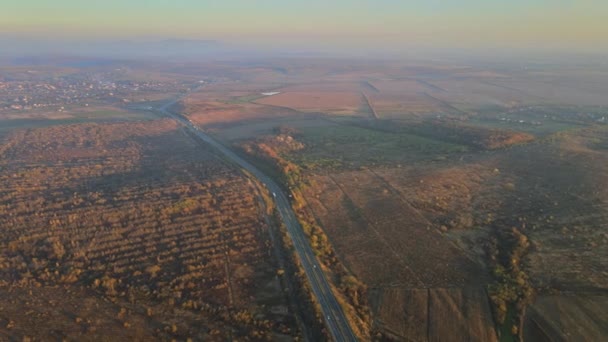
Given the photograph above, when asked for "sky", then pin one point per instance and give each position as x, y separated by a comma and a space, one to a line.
364, 23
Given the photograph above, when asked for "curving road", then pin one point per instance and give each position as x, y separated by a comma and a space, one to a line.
335, 319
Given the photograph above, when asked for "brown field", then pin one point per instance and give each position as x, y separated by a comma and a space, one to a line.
433, 314
402, 99
141, 215
423, 227
205, 113
470, 93
405, 106
562, 87
567, 318
388, 240
566, 214
413, 201
398, 233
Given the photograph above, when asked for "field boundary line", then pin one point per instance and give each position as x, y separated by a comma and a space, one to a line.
400, 258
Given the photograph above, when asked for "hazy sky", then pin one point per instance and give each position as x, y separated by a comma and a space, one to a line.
551, 23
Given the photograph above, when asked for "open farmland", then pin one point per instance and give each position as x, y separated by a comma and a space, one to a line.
417, 277
541, 121
567, 317
402, 99
352, 146
447, 197
211, 113
335, 102
566, 214
139, 221
401, 234
394, 242
395, 224
10, 122
443, 202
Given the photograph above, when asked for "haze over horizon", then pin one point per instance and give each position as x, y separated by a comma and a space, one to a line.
563, 25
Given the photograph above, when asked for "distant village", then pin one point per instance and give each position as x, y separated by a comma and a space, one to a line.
537, 113
77, 90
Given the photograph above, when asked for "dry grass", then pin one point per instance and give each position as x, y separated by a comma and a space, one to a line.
433, 314
219, 114
580, 317
389, 233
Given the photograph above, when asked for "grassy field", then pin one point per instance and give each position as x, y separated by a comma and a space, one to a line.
540, 120
351, 146
10, 125
546, 128
107, 114
98, 116
311, 101
244, 99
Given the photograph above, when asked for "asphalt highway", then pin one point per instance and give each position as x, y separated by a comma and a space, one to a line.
335, 319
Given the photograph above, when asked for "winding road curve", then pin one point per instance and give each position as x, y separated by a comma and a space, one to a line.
335, 319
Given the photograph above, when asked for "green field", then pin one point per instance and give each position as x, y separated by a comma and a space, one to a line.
112, 114
337, 146
546, 128
551, 119
244, 99
99, 116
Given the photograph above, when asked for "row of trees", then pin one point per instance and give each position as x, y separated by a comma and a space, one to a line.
512, 291
170, 227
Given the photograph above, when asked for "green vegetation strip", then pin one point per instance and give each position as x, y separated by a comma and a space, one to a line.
343, 145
